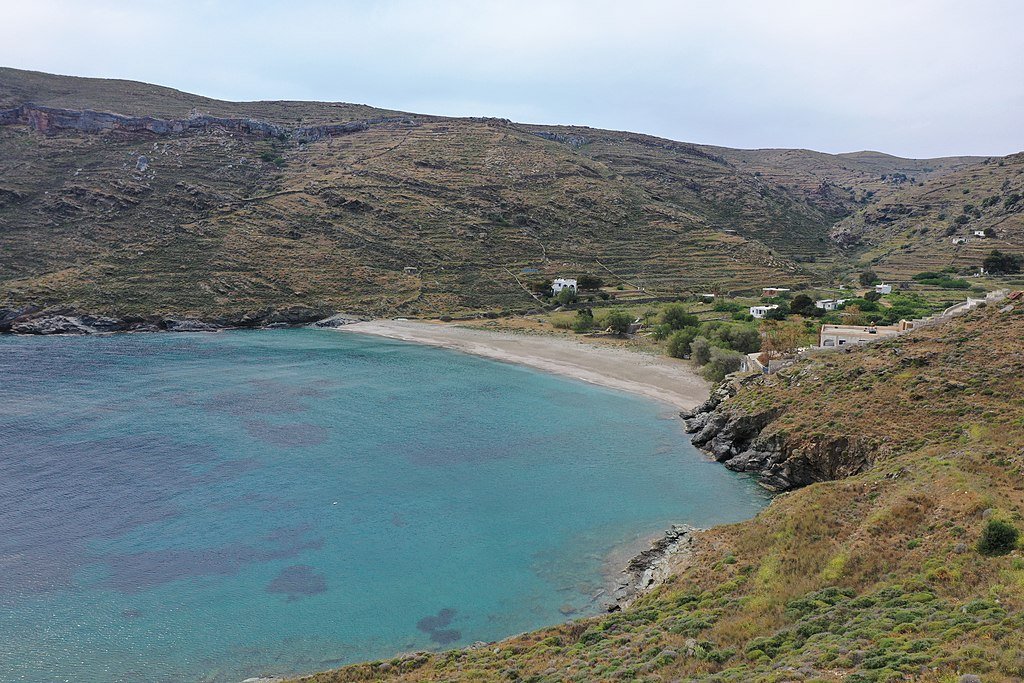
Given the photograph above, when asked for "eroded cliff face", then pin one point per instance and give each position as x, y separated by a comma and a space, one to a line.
747, 441
53, 119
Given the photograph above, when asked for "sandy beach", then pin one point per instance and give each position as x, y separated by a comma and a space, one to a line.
667, 380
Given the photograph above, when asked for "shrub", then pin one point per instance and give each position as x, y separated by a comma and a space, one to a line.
742, 338
868, 278
802, 305
566, 296
998, 538
700, 350
618, 321
999, 263
584, 321
588, 281
728, 307
679, 342
721, 363
677, 317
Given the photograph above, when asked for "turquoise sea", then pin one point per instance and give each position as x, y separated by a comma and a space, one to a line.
209, 507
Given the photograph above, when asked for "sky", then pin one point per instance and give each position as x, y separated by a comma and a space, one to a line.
917, 78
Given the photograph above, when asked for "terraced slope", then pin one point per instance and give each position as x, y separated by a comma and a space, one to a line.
874, 577
205, 208
922, 227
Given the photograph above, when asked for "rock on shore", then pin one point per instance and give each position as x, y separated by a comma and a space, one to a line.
48, 321
651, 567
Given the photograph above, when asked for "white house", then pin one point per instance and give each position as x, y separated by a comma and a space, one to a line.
883, 289
563, 283
829, 304
979, 233
832, 336
773, 291
761, 311
959, 240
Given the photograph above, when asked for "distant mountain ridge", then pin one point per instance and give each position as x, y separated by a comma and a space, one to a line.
123, 198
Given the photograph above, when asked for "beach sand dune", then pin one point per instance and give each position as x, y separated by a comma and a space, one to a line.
671, 381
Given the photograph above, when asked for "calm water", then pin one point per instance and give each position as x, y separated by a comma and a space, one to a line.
212, 507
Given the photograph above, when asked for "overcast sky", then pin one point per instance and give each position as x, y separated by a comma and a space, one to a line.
911, 77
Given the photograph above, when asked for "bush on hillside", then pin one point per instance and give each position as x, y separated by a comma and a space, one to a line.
868, 278
618, 321
721, 363
679, 342
584, 321
998, 538
802, 305
728, 307
677, 317
999, 263
588, 281
700, 350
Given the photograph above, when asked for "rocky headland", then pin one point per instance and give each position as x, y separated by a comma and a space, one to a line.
746, 440
49, 321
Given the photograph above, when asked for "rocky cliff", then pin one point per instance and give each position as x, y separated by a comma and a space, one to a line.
33, 320
746, 441
52, 119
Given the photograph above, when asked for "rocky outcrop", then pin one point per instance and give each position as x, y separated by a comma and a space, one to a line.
740, 440
651, 567
335, 321
52, 119
54, 324
34, 320
570, 139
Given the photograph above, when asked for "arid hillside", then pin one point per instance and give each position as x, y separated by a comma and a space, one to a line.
889, 572
122, 198
934, 224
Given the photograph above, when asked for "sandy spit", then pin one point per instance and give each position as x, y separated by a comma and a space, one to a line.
667, 380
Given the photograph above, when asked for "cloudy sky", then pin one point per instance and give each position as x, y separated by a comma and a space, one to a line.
911, 77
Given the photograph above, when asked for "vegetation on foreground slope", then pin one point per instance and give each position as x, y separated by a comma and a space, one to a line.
877, 577
215, 221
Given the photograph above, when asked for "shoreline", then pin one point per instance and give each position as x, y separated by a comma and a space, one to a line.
666, 380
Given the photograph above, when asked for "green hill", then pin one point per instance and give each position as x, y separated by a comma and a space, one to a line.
210, 208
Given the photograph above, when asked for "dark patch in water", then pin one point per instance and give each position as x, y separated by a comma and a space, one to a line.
261, 501
140, 571
266, 397
398, 521
130, 614
59, 499
287, 435
297, 581
435, 624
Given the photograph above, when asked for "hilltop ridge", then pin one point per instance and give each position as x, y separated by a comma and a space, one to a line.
166, 203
